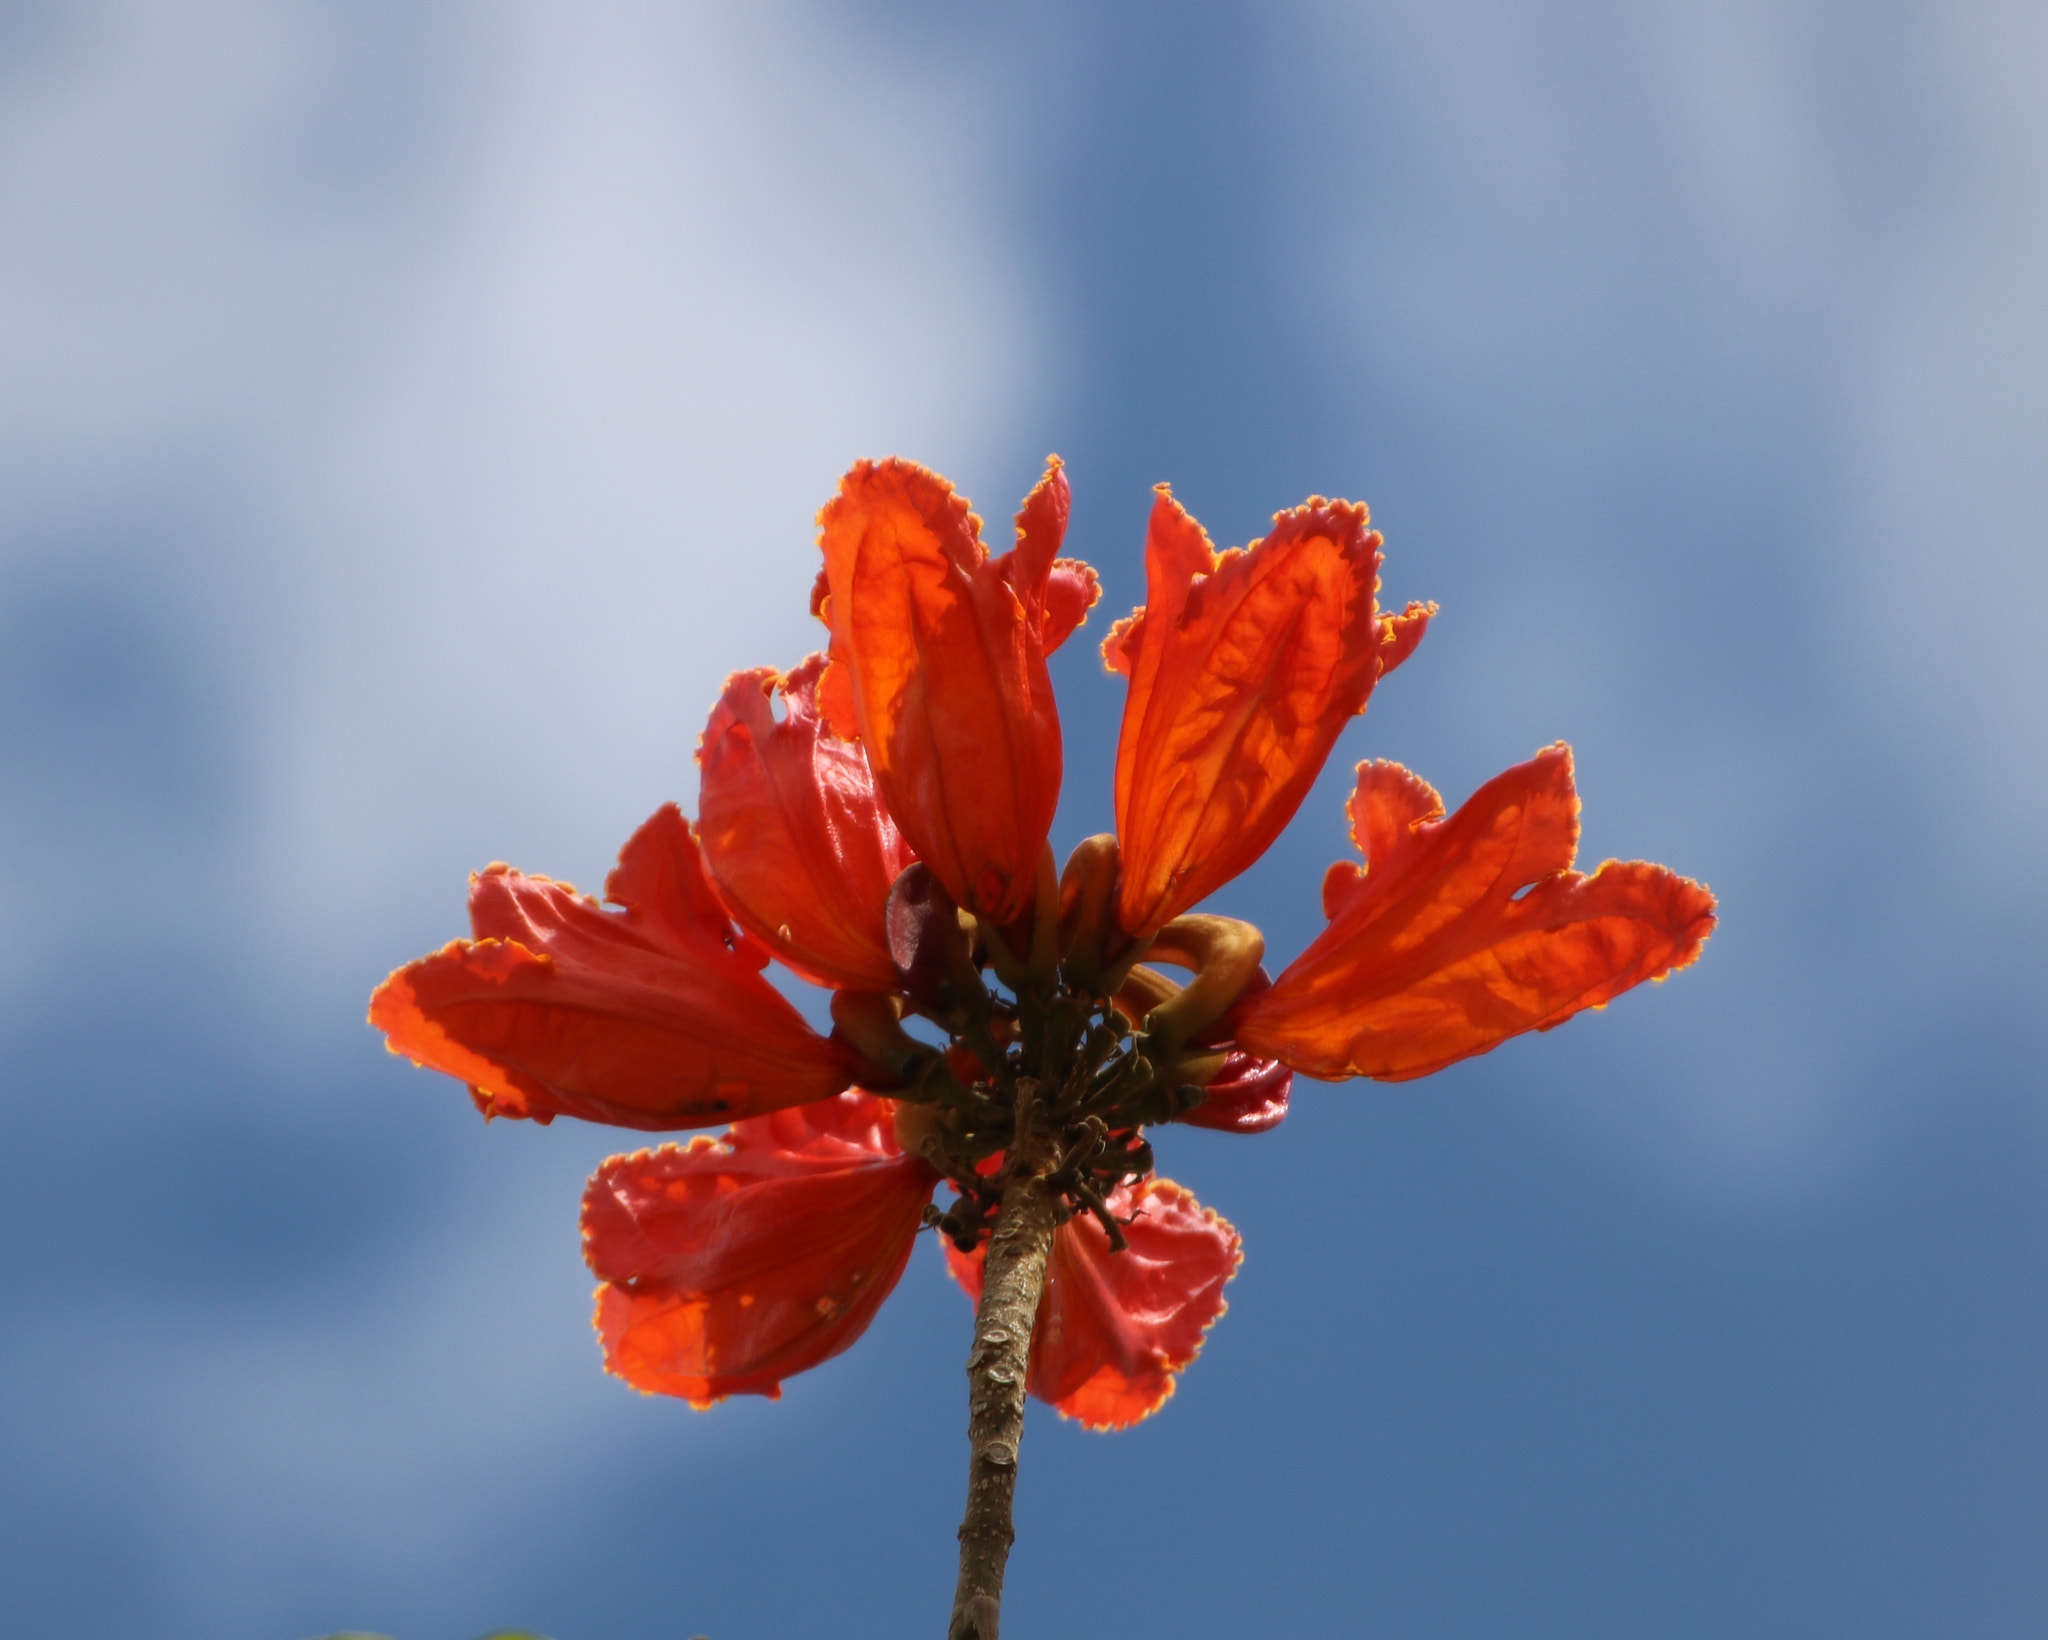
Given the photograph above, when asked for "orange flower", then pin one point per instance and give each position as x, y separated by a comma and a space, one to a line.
1244, 669
884, 835
943, 650
797, 841
728, 1265
1458, 934
655, 1016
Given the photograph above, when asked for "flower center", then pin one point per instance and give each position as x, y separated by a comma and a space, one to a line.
1055, 1061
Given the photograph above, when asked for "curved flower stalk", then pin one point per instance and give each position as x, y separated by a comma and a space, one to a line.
876, 820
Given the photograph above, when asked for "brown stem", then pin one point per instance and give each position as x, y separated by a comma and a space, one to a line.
1011, 1282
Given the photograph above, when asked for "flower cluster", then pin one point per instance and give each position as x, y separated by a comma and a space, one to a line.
876, 820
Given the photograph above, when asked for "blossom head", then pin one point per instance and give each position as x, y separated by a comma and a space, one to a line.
876, 819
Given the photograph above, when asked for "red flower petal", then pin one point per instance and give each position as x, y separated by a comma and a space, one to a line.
1244, 668
1461, 933
1249, 1095
645, 1018
1115, 1328
727, 1265
943, 656
793, 833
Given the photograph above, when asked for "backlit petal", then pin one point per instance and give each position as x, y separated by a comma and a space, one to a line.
1114, 1329
727, 1265
654, 1016
1056, 592
1243, 670
1399, 634
1071, 590
793, 832
943, 650
1460, 933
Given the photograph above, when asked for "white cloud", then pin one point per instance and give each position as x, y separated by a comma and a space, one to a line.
1779, 268
1945, 487
504, 356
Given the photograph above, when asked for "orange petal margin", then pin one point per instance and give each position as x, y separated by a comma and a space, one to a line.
1071, 588
944, 652
796, 839
1460, 933
653, 1017
728, 1265
1114, 1329
1243, 670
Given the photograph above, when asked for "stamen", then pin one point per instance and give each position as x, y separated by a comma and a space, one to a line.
1049, 1083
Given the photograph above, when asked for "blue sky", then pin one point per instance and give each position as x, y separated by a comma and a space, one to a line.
407, 420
